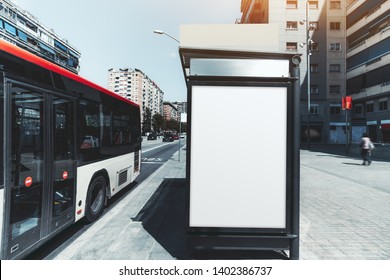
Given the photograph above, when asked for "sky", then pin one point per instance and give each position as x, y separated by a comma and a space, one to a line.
119, 34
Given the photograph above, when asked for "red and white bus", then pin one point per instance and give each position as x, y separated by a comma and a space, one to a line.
68, 145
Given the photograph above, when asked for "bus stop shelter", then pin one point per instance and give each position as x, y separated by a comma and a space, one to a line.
242, 150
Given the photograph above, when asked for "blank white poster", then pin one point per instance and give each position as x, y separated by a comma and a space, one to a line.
238, 157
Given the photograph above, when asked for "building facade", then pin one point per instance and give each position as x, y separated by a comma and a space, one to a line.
136, 86
317, 30
181, 106
171, 112
368, 67
22, 29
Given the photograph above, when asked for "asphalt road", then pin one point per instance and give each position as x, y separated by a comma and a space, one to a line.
154, 154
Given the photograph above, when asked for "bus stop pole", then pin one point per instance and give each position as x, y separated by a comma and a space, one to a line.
179, 138
294, 250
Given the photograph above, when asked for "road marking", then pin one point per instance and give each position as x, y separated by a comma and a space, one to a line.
153, 160
151, 149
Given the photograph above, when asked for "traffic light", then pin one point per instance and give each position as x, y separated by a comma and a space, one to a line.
346, 103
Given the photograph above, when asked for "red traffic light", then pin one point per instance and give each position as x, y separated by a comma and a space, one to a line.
346, 103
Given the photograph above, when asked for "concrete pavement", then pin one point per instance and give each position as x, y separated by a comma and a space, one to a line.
345, 208
345, 211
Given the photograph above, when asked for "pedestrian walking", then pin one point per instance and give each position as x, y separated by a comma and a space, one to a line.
366, 146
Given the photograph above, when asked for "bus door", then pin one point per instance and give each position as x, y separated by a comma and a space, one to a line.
41, 191
64, 164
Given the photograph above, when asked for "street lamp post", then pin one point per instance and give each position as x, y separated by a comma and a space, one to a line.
160, 32
308, 54
179, 138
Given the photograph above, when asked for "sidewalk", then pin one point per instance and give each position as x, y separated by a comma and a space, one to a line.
345, 208
344, 214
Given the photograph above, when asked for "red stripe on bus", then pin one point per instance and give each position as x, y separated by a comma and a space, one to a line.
28, 56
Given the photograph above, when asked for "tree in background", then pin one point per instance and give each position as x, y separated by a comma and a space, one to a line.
147, 121
158, 122
172, 125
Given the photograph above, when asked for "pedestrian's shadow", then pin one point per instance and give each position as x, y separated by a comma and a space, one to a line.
350, 163
329, 155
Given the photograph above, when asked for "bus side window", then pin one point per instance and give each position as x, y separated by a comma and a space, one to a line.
121, 128
118, 138
135, 119
89, 125
127, 138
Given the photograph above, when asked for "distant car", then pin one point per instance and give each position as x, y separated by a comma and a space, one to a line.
168, 137
152, 136
175, 137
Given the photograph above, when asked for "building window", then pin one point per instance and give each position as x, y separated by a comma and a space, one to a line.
335, 5
313, 109
335, 25
313, 4
314, 68
314, 90
314, 46
335, 68
334, 89
359, 109
9, 28
291, 4
370, 107
383, 105
335, 109
335, 46
291, 46
292, 25
22, 35
314, 25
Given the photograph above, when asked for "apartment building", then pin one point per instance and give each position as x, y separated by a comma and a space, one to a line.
136, 86
171, 112
317, 28
181, 106
21, 28
368, 67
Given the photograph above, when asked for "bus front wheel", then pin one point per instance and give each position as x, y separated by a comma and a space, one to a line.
96, 197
